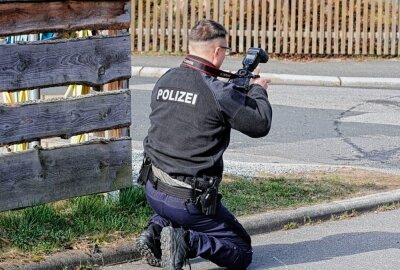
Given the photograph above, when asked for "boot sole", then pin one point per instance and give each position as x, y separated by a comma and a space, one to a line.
146, 252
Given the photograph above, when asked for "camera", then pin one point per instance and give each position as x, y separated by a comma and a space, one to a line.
253, 57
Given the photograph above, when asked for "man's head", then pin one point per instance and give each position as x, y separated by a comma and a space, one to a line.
208, 40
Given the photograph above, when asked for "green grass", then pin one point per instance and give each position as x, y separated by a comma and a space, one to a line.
94, 219
49, 227
245, 197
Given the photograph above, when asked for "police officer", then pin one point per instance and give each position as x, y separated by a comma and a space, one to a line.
192, 115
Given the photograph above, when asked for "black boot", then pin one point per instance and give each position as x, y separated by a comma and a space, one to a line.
149, 245
175, 248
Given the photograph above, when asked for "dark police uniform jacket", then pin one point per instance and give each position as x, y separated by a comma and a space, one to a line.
191, 120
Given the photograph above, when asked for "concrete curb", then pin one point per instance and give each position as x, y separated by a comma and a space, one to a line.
289, 79
263, 223
71, 259
255, 224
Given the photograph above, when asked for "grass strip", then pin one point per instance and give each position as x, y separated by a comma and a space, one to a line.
97, 219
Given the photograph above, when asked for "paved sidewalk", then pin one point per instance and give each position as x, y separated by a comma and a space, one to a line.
371, 73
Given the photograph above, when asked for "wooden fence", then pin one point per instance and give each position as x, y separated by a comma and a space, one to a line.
41, 175
312, 27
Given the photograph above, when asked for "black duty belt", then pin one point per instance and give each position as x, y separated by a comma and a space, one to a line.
178, 192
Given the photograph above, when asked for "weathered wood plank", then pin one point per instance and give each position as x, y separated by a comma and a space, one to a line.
278, 26
249, 24
307, 27
140, 26
147, 25
329, 27
91, 61
365, 28
170, 25
256, 23
300, 28
154, 31
285, 34
44, 175
185, 23
72, 116
263, 24
321, 35
241, 26
162, 26
178, 26
270, 33
358, 28
293, 26
379, 28
372, 28
350, 36
55, 16
234, 26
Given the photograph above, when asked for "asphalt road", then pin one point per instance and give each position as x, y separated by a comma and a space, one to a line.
370, 242
311, 125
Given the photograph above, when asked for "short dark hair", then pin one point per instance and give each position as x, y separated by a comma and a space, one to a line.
205, 30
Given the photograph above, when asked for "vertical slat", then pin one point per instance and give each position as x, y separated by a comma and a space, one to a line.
358, 27
329, 27
201, 9
249, 24
314, 35
343, 28
241, 26
147, 31
178, 26
140, 26
372, 28
365, 27
293, 26
263, 24
285, 25
322, 27
133, 26
193, 12
256, 22
208, 9
278, 26
215, 10
307, 27
155, 26
379, 28
394, 22
234, 26
387, 29
221, 11
271, 19
300, 28
226, 14
336, 29
351, 28
398, 31
170, 24
162, 26
185, 14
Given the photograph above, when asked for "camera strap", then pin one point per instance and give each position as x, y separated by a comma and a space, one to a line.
204, 66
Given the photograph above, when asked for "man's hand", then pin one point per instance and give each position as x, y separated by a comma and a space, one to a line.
263, 81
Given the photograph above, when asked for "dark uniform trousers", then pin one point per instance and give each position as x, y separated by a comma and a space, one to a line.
219, 238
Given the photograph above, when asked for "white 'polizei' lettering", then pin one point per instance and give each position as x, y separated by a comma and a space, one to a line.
176, 96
